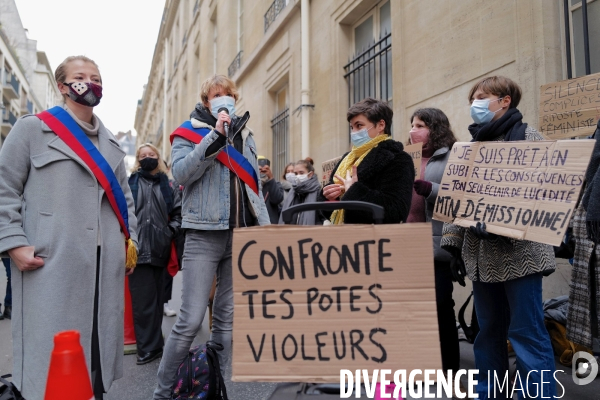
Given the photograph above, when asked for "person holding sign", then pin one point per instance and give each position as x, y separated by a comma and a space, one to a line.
215, 160
377, 169
305, 188
506, 273
431, 127
67, 222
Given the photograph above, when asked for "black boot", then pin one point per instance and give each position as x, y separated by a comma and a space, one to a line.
7, 312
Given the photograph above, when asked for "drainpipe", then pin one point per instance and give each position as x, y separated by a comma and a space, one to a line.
167, 62
304, 15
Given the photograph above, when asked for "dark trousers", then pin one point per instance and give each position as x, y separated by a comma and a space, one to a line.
446, 316
97, 384
8, 297
146, 285
168, 285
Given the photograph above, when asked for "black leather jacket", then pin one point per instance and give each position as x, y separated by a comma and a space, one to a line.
157, 226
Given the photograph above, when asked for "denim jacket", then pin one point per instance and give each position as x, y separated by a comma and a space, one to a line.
205, 180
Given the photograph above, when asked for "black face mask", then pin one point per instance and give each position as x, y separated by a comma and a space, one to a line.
149, 164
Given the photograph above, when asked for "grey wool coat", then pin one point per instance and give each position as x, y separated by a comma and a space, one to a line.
49, 199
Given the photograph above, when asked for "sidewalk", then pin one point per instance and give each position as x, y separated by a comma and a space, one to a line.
139, 380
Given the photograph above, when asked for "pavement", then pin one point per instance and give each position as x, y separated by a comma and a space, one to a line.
139, 380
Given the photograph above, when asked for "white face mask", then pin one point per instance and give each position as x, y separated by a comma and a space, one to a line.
290, 177
220, 102
301, 177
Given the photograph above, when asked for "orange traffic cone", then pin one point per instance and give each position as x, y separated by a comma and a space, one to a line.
129, 332
68, 376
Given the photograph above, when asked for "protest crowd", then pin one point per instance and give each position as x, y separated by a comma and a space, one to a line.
74, 223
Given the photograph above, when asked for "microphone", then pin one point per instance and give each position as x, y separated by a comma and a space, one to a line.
225, 124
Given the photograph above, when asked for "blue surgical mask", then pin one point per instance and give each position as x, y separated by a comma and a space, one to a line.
360, 137
220, 102
480, 111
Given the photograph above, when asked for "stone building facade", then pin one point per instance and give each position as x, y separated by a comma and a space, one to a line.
300, 63
28, 85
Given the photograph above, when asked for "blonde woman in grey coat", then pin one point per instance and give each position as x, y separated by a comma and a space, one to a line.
64, 239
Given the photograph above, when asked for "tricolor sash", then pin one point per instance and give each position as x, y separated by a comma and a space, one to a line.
65, 127
230, 157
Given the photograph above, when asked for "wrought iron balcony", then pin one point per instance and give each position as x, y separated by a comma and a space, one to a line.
273, 12
235, 64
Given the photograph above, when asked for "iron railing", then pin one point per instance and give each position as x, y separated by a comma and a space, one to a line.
280, 128
273, 11
235, 64
369, 74
184, 40
196, 7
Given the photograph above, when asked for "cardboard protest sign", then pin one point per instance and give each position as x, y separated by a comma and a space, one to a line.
309, 301
416, 152
522, 190
570, 108
328, 170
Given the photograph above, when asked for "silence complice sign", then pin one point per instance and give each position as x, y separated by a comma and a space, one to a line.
570, 108
522, 190
416, 153
309, 301
327, 167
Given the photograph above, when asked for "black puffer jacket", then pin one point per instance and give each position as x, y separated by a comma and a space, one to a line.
385, 178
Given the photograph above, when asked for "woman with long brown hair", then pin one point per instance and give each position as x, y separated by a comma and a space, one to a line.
431, 127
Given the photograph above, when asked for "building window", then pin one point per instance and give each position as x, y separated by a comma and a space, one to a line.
583, 49
280, 128
369, 71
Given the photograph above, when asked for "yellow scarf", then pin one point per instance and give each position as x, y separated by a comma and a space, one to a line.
354, 158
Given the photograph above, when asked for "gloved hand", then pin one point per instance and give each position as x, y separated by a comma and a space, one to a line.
480, 231
457, 267
423, 188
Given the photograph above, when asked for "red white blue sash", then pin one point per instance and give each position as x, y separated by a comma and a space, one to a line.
229, 157
69, 131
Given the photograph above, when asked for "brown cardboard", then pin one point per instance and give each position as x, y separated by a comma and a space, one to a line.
328, 170
416, 152
407, 294
570, 108
522, 190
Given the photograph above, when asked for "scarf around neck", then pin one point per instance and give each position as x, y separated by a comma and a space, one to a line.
592, 178
510, 124
354, 158
309, 190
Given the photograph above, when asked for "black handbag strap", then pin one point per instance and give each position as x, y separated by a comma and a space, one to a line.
470, 331
11, 392
211, 352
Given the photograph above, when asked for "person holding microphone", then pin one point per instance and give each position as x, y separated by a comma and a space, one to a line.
214, 158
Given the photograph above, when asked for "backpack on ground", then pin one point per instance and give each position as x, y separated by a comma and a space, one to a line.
8, 390
199, 375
